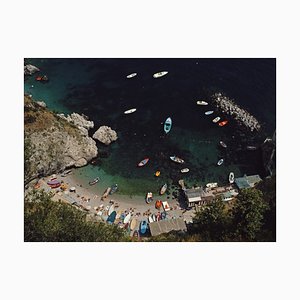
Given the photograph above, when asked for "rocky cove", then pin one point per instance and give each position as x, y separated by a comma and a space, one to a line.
55, 142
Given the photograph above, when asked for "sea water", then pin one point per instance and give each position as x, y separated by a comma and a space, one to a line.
99, 89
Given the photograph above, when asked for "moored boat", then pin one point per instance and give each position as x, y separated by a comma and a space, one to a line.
177, 159
111, 209
94, 181
158, 204
133, 224
65, 173
143, 162
111, 217
220, 162
149, 197
150, 220
163, 189
129, 111
160, 74
223, 144
217, 119
185, 170
143, 227
211, 184
113, 189
168, 125
202, 103
127, 218
136, 234
154, 217
231, 177
131, 75
209, 112
223, 123
251, 148
157, 173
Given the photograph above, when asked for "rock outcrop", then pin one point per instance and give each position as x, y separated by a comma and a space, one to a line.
30, 69
53, 143
80, 121
105, 135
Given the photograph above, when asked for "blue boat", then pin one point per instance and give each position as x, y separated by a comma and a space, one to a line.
111, 218
168, 125
114, 188
143, 227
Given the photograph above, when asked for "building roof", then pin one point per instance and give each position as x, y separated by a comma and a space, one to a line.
247, 181
167, 225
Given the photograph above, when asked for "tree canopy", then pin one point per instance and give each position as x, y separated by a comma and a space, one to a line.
49, 221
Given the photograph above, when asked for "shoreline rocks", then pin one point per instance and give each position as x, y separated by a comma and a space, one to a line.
105, 135
228, 106
80, 121
30, 69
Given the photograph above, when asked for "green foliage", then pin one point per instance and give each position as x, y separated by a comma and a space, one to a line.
28, 150
49, 221
212, 222
248, 215
268, 188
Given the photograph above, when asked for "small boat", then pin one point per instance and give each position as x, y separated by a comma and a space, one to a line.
154, 217
166, 205
54, 183
160, 74
158, 204
113, 189
211, 184
202, 103
209, 112
220, 162
185, 170
223, 123
111, 209
177, 159
133, 224
94, 181
163, 215
127, 218
150, 220
163, 189
231, 177
251, 148
149, 198
131, 75
143, 162
43, 78
111, 217
157, 173
223, 144
65, 173
168, 125
129, 111
118, 214
217, 119
143, 227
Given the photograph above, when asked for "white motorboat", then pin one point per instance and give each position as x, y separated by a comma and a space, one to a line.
160, 74
202, 103
217, 119
130, 111
223, 144
220, 162
177, 159
209, 112
131, 75
211, 184
231, 177
185, 170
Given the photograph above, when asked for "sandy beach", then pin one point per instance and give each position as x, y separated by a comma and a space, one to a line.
95, 204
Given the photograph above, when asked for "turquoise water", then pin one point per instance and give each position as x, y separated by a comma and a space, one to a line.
99, 89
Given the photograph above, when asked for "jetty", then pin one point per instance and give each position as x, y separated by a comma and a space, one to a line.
227, 106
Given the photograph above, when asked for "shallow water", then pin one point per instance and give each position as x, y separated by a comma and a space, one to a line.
99, 89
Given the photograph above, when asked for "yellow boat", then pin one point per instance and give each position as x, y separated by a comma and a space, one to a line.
157, 173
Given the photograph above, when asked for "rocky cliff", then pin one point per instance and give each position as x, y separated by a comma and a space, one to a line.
53, 143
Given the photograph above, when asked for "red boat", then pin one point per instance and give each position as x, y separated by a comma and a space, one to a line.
41, 78
143, 162
223, 123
